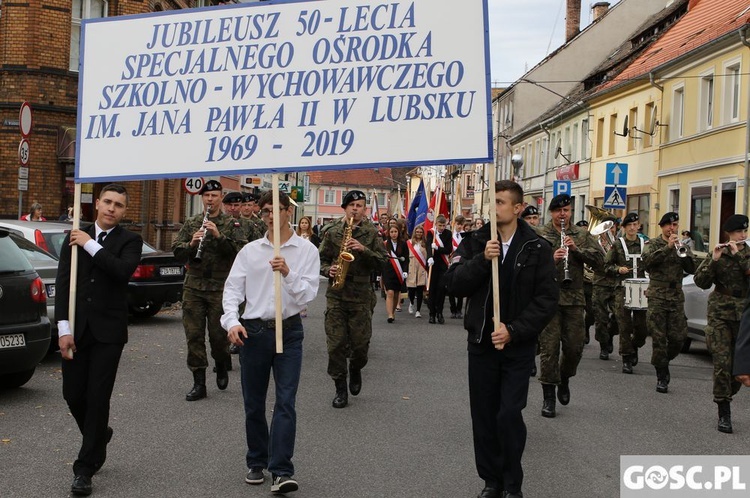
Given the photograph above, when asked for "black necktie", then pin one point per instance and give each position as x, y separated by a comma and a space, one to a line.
101, 236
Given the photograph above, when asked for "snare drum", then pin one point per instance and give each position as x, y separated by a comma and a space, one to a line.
635, 293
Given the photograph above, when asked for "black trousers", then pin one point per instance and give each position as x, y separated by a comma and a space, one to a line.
88, 380
498, 388
436, 301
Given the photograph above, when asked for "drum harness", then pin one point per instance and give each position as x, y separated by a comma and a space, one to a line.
634, 257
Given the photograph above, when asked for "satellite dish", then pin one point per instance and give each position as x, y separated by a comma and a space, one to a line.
558, 148
625, 129
654, 122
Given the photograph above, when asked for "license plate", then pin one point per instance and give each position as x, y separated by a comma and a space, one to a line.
12, 341
170, 270
50, 290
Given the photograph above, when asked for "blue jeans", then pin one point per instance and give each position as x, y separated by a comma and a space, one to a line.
257, 358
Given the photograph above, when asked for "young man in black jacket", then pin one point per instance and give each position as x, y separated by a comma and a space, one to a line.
500, 360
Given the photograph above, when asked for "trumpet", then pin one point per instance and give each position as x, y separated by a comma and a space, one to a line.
199, 253
566, 271
681, 249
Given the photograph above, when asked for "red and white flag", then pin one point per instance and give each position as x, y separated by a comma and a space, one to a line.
429, 223
374, 215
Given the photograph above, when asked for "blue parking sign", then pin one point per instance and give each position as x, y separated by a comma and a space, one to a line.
560, 187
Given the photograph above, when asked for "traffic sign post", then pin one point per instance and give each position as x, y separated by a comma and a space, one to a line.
193, 185
614, 197
560, 187
25, 120
24, 151
25, 123
616, 174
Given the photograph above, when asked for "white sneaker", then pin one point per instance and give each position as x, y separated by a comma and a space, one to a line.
417, 315
411, 309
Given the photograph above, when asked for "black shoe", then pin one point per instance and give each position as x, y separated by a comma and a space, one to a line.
661, 386
489, 492
355, 381
432, 319
548, 406
199, 386
255, 476
283, 484
563, 392
222, 377
603, 354
342, 397
634, 358
440, 318
234, 349
459, 315
390, 319
81, 486
627, 367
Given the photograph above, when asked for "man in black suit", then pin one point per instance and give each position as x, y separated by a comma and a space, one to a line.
107, 257
439, 248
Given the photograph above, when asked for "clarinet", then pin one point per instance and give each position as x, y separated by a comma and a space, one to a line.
199, 253
566, 271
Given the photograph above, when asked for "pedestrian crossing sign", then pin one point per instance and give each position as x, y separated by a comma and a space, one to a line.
614, 197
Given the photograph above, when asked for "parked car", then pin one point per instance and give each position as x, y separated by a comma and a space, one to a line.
696, 307
156, 281
45, 265
24, 325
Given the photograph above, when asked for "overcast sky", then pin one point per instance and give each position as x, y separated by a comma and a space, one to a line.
523, 32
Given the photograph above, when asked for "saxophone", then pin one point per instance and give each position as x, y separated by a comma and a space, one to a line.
345, 258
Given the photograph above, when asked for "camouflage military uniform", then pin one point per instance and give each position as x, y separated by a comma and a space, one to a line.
567, 326
631, 323
204, 284
348, 318
725, 306
588, 292
257, 226
603, 299
665, 318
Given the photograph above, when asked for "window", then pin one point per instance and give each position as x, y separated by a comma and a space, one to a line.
574, 146
700, 216
678, 105
650, 129
612, 130
381, 198
639, 204
329, 197
543, 153
674, 200
706, 119
83, 9
566, 142
600, 137
537, 167
633, 124
584, 139
732, 94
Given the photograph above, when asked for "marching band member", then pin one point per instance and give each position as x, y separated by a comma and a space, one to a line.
727, 268
665, 261
603, 297
622, 262
588, 292
565, 331
531, 216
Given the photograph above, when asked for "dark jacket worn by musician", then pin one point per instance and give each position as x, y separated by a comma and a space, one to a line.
529, 291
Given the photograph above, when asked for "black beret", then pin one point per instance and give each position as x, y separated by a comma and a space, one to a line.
582, 223
248, 197
530, 211
670, 217
351, 196
210, 186
232, 197
735, 222
559, 201
630, 218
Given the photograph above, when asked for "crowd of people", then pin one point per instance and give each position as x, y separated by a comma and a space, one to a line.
234, 263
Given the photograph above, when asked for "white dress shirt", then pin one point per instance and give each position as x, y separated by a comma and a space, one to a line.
251, 279
92, 247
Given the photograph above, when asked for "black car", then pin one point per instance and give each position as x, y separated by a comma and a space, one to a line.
24, 325
156, 281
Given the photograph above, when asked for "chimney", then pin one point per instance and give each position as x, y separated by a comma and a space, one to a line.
572, 19
600, 8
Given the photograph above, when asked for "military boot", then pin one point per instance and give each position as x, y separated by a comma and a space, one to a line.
725, 417
563, 392
627, 364
662, 380
355, 380
634, 358
548, 406
199, 386
222, 377
342, 396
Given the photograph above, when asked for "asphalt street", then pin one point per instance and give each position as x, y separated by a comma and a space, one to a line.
408, 434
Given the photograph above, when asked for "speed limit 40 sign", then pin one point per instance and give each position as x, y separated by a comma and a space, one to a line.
193, 185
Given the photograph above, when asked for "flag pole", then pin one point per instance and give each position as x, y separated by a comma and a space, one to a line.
276, 254
438, 196
495, 262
